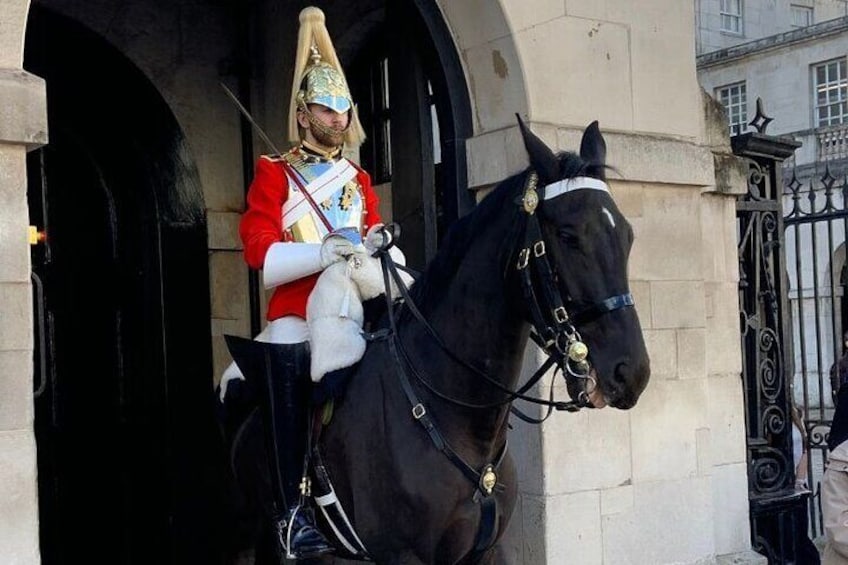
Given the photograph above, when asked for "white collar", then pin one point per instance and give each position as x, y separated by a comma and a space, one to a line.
567, 185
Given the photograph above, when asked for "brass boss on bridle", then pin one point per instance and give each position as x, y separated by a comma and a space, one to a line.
553, 326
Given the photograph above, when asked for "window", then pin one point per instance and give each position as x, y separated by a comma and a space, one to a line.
829, 92
734, 98
731, 16
802, 16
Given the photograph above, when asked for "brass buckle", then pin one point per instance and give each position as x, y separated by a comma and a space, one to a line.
523, 258
560, 315
539, 248
418, 411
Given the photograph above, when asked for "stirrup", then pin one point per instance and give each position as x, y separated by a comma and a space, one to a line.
298, 536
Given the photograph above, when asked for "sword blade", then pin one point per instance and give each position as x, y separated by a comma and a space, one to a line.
250, 119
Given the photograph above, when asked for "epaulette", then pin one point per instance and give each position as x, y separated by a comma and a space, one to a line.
273, 158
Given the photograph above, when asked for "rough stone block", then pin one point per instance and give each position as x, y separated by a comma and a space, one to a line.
668, 237
23, 105
228, 275
691, 353
494, 79
15, 317
535, 528
221, 357
601, 49
384, 193
522, 15
746, 557
489, 21
629, 197
721, 257
588, 450
663, 352
703, 450
730, 504
18, 499
671, 522
723, 349
486, 159
224, 231
661, 62
617, 500
16, 408
726, 419
663, 426
218, 157
641, 291
650, 158
678, 304
573, 528
14, 249
525, 444
662, 15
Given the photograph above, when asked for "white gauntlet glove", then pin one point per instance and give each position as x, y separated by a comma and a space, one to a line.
335, 248
378, 237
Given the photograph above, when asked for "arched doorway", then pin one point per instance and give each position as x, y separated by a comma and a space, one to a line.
410, 87
123, 409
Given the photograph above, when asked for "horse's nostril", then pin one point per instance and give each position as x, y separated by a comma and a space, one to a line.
622, 373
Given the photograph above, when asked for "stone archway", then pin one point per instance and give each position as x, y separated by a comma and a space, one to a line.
23, 125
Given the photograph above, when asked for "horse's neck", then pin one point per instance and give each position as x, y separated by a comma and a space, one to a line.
480, 324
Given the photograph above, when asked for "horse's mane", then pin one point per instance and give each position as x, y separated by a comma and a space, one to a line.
502, 200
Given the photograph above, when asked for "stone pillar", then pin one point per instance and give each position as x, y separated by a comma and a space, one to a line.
23, 126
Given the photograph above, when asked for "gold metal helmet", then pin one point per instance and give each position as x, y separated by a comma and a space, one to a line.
319, 78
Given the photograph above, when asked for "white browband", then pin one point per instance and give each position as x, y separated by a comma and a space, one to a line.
567, 185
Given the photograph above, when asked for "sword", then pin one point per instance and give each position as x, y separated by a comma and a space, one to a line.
286, 166
250, 119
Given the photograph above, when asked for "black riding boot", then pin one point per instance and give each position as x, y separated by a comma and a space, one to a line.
279, 376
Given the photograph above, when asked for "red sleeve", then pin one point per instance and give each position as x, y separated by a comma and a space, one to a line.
262, 223
372, 201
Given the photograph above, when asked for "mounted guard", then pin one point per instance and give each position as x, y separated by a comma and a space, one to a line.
307, 209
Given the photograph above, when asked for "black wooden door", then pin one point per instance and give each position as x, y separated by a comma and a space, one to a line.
123, 410
413, 102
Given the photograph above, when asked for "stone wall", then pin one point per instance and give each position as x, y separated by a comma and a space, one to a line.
23, 125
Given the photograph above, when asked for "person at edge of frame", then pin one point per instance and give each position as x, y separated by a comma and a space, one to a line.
292, 240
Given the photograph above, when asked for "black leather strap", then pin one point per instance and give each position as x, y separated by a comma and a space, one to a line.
419, 411
595, 310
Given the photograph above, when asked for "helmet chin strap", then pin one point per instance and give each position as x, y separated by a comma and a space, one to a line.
321, 126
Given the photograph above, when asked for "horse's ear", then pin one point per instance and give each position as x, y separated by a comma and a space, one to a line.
542, 159
593, 148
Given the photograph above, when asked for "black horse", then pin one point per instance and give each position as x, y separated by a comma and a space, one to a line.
412, 499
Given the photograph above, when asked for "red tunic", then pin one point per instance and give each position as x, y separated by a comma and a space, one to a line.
262, 225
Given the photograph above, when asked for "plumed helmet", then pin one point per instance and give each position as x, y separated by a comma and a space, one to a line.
319, 78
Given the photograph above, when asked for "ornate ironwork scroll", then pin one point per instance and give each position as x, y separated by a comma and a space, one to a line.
766, 358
